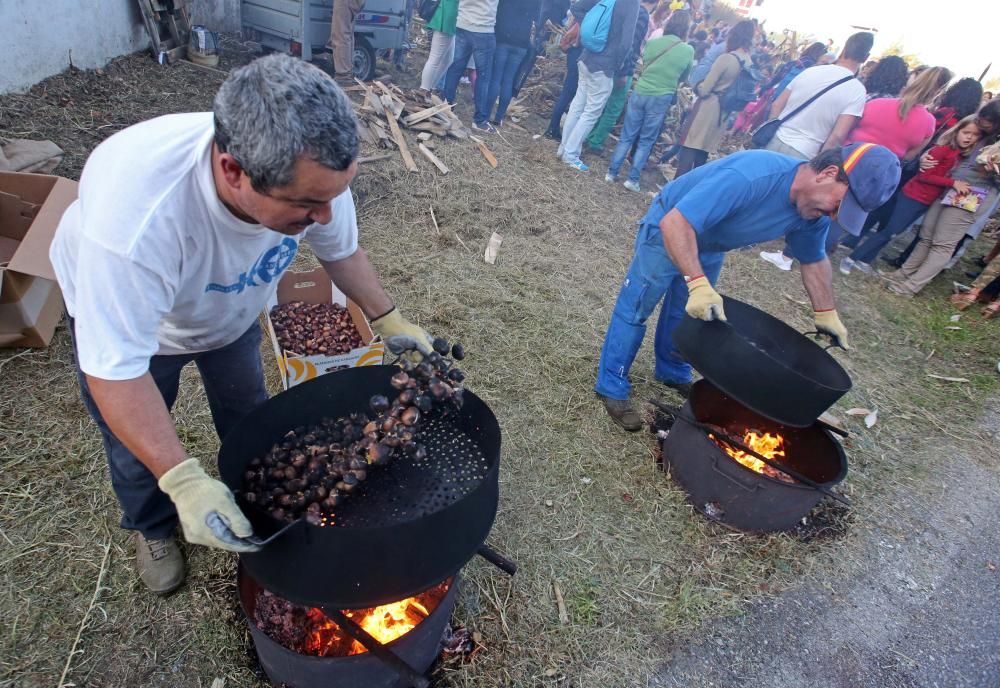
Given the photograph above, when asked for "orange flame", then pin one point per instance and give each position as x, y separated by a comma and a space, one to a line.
771, 446
384, 623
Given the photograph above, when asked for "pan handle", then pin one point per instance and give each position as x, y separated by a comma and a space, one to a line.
824, 334
261, 542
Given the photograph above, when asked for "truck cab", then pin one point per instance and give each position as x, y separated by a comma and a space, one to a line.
302, 28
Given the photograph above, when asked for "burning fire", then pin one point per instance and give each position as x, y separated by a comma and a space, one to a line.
384, 623
769, 445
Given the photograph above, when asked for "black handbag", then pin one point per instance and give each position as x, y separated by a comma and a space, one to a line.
763, 134
427, 9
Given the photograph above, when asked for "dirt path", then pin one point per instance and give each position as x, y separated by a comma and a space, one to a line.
922, 613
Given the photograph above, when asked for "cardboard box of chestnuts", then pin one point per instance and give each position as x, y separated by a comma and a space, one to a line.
315, 287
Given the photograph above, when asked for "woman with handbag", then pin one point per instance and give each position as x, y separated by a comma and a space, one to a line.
441, 17
706, 122
666, 61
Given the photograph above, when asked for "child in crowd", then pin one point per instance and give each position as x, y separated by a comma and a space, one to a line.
919, 193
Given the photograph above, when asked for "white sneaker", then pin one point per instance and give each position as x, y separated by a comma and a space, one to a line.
632, 186
846, 265
609, 179
863, 267
777, 259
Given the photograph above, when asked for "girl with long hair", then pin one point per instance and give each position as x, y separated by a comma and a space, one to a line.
919, 193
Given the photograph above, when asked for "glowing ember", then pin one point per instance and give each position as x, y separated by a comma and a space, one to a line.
309, 631
385, 624
771, 446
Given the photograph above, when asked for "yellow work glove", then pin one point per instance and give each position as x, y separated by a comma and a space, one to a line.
828, 323
402, 336
703, 301
208, 513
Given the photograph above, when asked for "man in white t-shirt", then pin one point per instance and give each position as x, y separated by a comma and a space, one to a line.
183, 226
825, 122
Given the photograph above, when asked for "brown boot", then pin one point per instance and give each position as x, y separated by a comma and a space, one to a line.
159, 563
621, 412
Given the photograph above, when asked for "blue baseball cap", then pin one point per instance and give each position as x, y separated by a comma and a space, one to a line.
872, 177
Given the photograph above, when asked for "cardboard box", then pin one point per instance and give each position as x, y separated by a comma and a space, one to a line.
31, 206
315, 287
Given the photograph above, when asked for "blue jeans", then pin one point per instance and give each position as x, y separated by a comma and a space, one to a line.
651, 277
568, 89
906, 212
234, 384
506, 60
480, 46
643, 121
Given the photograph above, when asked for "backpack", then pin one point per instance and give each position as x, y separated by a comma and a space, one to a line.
740, 93
596, 25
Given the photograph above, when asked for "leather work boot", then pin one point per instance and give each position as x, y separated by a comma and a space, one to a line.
621, 412
159, 563
682, 388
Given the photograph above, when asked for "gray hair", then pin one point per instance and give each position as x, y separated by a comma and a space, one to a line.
277, 109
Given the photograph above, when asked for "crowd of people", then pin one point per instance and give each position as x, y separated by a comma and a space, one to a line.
855, 152
796, 100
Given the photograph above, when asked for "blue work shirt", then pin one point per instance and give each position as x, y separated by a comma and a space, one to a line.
743, 199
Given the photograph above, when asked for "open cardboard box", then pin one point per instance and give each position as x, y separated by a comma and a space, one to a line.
31, 306
315, 287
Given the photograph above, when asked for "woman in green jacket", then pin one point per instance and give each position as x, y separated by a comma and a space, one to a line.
442, 43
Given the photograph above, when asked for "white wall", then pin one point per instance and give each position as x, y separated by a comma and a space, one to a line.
44, 37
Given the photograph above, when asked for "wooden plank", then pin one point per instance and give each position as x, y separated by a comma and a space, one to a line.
426, 114
432, 128
392, 107
404, 151
374, 158
560, 602
152, 26
380, 132
487, 153
433, 158
375, 103
366, 134
175, 54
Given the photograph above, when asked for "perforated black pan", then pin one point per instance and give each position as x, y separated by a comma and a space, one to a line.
409, 525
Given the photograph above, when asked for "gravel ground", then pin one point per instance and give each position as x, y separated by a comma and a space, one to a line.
922, 614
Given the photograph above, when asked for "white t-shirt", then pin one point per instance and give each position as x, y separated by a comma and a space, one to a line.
809, 129
151, 262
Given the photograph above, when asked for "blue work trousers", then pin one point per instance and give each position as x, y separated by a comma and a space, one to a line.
506, 60
480, 46
643, 121
233, 377
651, 278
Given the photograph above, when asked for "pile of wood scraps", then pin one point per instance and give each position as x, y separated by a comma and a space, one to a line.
385, 111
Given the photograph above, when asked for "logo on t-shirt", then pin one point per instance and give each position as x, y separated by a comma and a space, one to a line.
268, 266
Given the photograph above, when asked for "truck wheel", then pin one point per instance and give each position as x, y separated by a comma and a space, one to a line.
364, 60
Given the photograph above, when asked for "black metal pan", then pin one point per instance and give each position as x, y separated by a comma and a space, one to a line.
763, 363
409, 525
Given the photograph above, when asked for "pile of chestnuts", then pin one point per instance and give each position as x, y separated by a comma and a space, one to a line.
310, 329
311, 470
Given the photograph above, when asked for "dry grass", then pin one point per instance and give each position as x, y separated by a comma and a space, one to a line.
582, 503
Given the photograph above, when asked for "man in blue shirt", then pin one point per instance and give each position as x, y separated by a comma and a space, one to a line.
742, 199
